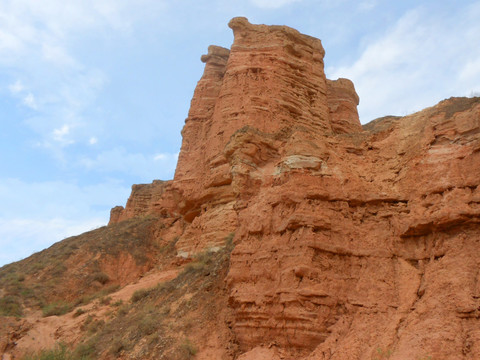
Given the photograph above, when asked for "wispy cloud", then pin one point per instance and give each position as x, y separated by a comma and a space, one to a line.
58, 83
34, 215
15, 234
16, 87
166, 157
423, 52
30, 101
146, 167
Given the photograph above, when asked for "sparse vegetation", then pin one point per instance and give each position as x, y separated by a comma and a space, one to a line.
151, 319
94, 326
10, 306
117, 346
59, 352
57, 308
188, 349
78, 312
41, 279
382, 354
200, 261
229, 239
140, 294
101, 277
118, 303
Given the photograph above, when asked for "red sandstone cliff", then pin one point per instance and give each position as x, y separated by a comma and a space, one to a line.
350, 242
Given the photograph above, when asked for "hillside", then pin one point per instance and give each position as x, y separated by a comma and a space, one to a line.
288, 232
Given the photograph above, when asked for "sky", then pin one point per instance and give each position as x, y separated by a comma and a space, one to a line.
94, 93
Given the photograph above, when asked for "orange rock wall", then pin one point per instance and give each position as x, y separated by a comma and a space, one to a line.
351, 242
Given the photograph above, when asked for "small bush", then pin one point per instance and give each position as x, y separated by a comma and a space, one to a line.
229, 239
188, 349
10, 306
193, 267
148, 325
60, 352
85, 351
56, 308
118, 345
140, 294
79, 312
95, 326
123, 310
109, 289
101, 277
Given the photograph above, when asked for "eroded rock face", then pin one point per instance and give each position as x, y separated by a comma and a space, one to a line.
351, 242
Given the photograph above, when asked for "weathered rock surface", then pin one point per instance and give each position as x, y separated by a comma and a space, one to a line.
351, 242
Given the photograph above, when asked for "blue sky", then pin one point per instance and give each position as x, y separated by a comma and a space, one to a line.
94, 93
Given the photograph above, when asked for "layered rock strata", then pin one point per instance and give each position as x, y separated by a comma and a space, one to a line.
351, 242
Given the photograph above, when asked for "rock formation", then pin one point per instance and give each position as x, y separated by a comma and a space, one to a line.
350, 242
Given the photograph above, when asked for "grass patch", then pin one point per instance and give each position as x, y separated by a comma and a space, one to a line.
101, 277
57, 308
382, 354
60, 352
188, 349
10, 306
140, 294
118, 345
229, 239
79, 312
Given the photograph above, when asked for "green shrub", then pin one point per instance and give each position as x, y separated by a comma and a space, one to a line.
95, 325
84, 351
117, 346
188, 349
56, 308
10, 306
148, 325
140, 294
79, 312
383, 354
59, 352
101, 277
229, 239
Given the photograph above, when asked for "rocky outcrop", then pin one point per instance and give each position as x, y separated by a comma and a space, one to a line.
350, 242
156, 198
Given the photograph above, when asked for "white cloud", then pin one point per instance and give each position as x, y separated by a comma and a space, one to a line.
57, 55
166, 157
16, 87
40, 40
146, 167
60, 135
20, 237
272, 4
426, 56
93, 140
30, 101
160, 157
34, 215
